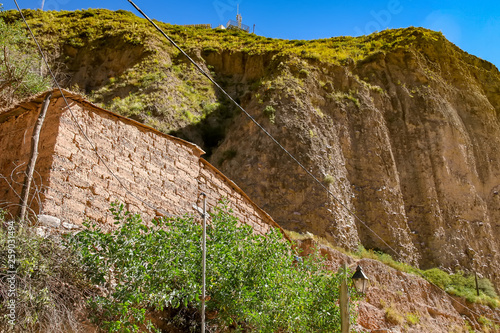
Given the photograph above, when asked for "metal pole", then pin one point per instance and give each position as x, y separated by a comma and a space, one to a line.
204, 262
477, 284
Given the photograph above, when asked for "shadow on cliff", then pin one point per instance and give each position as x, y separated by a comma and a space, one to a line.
212, 129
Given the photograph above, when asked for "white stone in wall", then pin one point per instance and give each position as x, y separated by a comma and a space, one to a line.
49, 221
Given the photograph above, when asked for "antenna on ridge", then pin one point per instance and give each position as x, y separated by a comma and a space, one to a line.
239, 19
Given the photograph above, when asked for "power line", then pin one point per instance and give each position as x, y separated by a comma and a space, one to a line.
277, 143
80, 129
260, 126
156, 209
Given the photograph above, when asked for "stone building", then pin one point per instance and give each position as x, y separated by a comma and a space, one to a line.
90, 157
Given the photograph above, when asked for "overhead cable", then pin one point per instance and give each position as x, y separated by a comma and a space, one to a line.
261, 127
272, 138
80, 129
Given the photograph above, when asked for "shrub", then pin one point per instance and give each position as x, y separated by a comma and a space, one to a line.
253, 281
438, 277
329, 179
48, 281
412, 318
270, 112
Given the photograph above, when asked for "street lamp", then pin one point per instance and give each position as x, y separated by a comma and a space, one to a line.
360, 280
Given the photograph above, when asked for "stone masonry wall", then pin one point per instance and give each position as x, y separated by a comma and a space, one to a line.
157, 174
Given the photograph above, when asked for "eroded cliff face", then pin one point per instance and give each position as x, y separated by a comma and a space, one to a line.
407, 139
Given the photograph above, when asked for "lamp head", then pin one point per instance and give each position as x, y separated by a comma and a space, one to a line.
360, 280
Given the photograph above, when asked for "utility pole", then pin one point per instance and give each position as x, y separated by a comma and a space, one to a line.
204, 262
344, 303
204, 258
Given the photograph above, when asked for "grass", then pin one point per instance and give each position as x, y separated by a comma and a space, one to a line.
49, 281
488, 325
458, 283
393, 316
412, 318
159, 88
83, 26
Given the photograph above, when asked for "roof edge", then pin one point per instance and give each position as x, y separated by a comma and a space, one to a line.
58, 93
242, 193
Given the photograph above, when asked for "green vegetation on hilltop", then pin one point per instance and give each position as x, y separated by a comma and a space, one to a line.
20, 75
120, 62
78, 28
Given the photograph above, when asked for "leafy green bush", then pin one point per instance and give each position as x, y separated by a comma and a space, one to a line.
253, 281
438, 277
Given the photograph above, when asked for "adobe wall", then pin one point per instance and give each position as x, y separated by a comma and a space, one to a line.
159, 173
216, 186
16, 130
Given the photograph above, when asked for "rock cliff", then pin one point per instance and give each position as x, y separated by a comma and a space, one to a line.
401, 126
407, 139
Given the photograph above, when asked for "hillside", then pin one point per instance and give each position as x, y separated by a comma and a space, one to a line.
401, 125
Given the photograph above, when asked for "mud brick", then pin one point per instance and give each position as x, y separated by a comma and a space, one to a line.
79, 179
99, 203
74, 205
52, 207
141, 173
114, 188
99, 190
152, 166
154, 171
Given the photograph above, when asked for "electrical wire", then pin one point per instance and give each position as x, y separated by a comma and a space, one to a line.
156, 209
80, 129
262, 128
274, 140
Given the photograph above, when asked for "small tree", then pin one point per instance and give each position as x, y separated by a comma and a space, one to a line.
254, 282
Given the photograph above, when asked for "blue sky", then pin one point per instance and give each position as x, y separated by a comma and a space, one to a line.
474, 26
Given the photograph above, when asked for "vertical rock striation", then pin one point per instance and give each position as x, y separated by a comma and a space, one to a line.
408, 140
